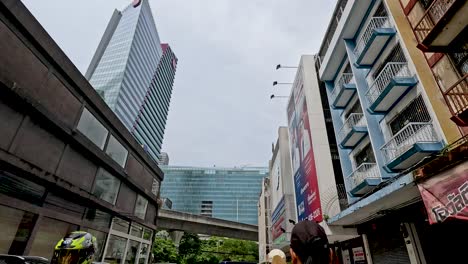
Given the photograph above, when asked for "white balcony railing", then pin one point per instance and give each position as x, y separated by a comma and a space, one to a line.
354, 119
390, 71
364, 171
344, 79
374, 23
411, 134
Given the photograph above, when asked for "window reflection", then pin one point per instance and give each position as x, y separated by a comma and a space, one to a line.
116, 151
140, 207
106, 186
115, 249
92, 129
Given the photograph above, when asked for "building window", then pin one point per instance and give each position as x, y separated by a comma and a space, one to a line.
50, 231
416, 111
92, 129
366, 155
396, 55
116, 151
115, 249
132, 251
106, 186
136, 230
460, 61
381, 11
16, 227
207, 208
101, 241
120, 225
140, 207
155, 187
355, 109
20, 188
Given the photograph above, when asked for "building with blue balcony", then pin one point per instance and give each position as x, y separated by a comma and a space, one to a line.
388, 117
134, 74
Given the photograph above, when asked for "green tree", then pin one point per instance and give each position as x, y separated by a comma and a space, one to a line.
164, 250
190, 244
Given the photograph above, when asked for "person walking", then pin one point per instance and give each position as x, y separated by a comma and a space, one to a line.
309, 244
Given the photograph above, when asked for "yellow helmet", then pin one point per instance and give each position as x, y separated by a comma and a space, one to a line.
75, 248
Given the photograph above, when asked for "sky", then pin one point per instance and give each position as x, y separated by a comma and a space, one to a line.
220, 113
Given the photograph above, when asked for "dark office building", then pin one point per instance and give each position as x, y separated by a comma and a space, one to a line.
66, 161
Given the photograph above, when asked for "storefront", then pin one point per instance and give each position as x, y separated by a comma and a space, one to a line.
33, 219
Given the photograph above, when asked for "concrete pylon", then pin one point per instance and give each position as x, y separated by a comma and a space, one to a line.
176, 236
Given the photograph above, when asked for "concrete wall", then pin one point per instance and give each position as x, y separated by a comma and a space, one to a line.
320, 145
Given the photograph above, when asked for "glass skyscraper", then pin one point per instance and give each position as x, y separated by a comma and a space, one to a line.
225, 193
134, 73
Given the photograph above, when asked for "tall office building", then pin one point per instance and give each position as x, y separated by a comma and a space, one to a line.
225, 193
134, 74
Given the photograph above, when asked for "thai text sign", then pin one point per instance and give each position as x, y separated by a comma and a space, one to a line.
446, 195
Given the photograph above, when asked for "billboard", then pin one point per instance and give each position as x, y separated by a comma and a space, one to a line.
302, 157
446, 196
278, 222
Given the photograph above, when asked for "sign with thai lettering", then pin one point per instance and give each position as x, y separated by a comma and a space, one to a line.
446, 195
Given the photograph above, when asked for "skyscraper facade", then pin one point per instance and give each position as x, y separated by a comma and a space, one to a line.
225, 193
134, 74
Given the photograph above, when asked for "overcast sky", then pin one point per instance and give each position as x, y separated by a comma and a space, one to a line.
220, 112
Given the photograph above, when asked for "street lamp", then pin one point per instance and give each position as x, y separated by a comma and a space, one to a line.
278, 96
281, 66
276, 83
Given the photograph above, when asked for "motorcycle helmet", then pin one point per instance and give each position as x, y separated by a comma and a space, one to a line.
75, 248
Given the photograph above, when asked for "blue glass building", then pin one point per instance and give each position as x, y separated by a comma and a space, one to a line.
225, 193
134, 74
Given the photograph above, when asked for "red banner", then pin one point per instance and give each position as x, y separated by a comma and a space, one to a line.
446, 195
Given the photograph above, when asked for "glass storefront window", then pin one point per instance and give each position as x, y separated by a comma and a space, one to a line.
120, 225
132, 251
148, 234
115, 249
15, 228
106, 186
50, 231
92, 129
143, 253
140, 207
136, 230
117, 151
101, 242
98, 218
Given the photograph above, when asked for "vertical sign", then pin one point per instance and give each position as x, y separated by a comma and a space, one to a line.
302, 155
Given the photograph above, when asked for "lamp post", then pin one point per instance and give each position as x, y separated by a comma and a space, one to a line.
278, 83
279, 66
278, 96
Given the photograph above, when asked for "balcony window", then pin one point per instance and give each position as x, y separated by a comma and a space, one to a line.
396, 55
416, 111
92, 129
140, 207
106, 186
116, 151
365, 155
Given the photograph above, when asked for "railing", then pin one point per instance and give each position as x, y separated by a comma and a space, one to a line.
354, 119
344, 79
374, 23
457, 96
431, 17
390, 71
364, 171
411, 134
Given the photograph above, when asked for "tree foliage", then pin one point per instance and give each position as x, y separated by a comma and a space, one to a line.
164, 250
193, 250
